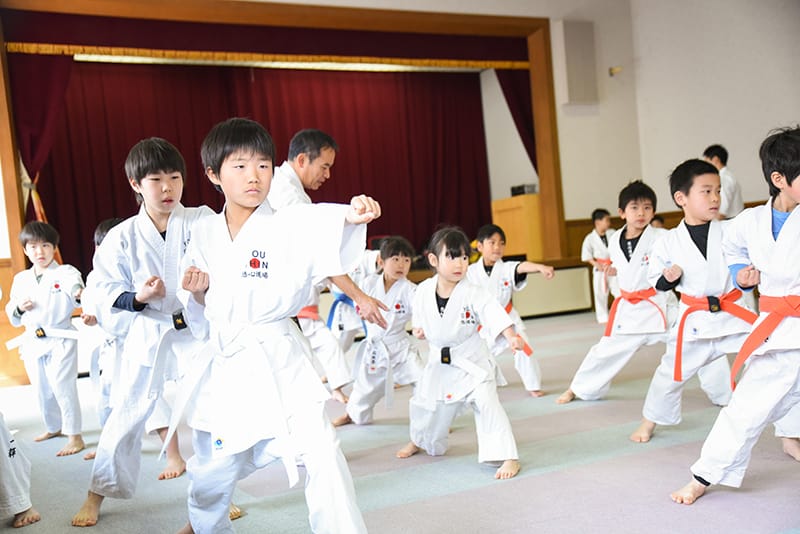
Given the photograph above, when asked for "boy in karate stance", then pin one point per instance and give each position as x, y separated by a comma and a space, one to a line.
713, 321
502, 279
253, 396
136, 272
761, 250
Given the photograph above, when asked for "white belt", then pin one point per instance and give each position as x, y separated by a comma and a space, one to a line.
63, 333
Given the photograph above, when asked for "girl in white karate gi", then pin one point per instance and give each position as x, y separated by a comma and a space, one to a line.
639, 315
253, 396
594, 251
461, 371
137, 269
761, 250
15, 481
502, 279
387, 356
713, 320
42, 300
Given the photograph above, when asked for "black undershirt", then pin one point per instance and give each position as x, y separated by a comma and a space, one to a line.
628, 245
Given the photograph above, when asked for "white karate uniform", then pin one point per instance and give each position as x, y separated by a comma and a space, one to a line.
730, 202
386, 357
154, 351
593, 248
707, 336
15, 475
769, 388
501, 284
343, 319
470, 380
255, 356
52, 361
287, 190
634, 326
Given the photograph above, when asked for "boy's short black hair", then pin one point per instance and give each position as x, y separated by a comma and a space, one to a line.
600, 214
718, 151
38, 232
234, 135
658, 218
310, 142
451, 240
636, 190
780, 152
102, 229
150, 156
488, 230
396, 245
682, 178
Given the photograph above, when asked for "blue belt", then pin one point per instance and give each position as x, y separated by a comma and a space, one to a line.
341, 298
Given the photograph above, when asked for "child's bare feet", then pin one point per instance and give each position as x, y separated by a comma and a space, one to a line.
47, 435
28, 517
644, 432
536, 393
234, 512
324, 379
339, 395
90, 455
74, 445
791, 446
689, 493
89, 512
175, 468
408, 451
342, 420
509, 469
567, 396
186, 529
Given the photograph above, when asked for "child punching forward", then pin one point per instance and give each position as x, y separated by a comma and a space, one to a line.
461, 371
387, 356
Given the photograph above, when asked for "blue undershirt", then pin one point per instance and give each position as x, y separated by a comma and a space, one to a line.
778, 218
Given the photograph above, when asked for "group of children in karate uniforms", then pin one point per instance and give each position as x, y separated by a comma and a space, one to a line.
210, 300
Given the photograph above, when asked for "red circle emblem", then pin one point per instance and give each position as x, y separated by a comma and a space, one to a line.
397, 306
254, 263
466, 314
56, 286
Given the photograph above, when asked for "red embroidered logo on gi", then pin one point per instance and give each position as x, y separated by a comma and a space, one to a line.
255, 263
258, 265
449, 396
467, 316
505, 283
399, 307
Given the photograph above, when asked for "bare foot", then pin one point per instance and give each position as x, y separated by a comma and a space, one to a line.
28, 517
186, 529
689, 493
339, 395
47, 435
509, 469
74, 445
342, 420
536, 393
324, 379
791, 446
408, 451
234, 512
90, 455
89, 512
644, 432
567, 396
175, 468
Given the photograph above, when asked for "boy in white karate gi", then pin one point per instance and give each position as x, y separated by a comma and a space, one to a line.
15, 481
761, 250
461, 371
713, 318
502, 279
594, 251
137, 270
42, 300
638, 316
312, 154
248, 271
387, 356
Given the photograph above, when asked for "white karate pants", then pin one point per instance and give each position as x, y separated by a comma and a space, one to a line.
55, 377
15, 475
327, 351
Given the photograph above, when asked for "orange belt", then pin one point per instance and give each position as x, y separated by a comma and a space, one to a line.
309, 312
726, 303
634, 297
527, 348
604, 284
778, 309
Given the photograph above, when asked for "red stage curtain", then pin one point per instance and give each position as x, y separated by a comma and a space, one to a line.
516, 85
414, 141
